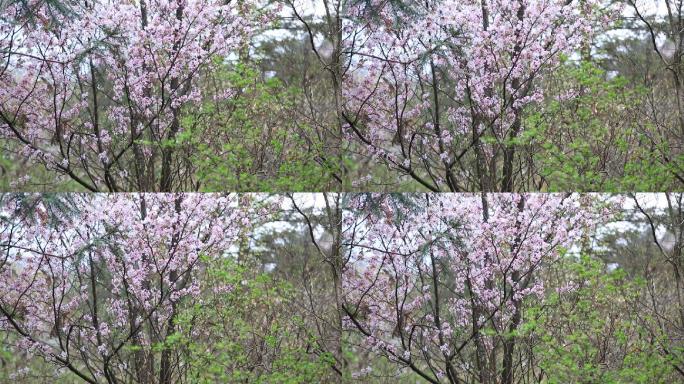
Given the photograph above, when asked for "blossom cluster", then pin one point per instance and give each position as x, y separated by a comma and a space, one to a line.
422, 282
428, 79
79, 287
78, 88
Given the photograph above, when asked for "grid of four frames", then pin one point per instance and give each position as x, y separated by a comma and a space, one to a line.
341, 191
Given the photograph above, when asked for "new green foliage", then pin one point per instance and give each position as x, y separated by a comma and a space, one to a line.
586, 332
591, 135
255, 140
238, 331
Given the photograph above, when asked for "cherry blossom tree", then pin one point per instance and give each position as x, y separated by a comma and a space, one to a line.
437, 283
437, 90
97, 291
96, 93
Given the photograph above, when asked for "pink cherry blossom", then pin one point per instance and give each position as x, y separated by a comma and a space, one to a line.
91, 92
436, 90
427, 279
81, 289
